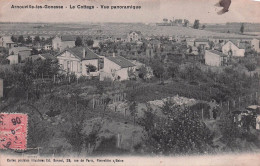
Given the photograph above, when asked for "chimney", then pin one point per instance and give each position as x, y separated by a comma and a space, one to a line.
114, 55
84, 53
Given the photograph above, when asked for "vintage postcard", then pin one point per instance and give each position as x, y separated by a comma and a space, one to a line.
130, 82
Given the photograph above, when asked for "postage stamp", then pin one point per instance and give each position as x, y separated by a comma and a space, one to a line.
13, 131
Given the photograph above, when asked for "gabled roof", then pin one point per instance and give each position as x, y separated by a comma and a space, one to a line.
217, 52
121, 61
238, 46
78, 52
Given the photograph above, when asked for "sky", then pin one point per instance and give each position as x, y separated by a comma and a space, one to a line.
151, 11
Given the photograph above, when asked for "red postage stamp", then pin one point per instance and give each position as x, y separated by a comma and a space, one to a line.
13, 131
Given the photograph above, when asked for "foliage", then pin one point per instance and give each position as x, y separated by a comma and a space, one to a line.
242, 28
37, 39
142, 72
14, 39
181, 132
157, 68
91, 68
78, 42
196, 24
90, 42
21, 39
250, 67
29, 40
173, 70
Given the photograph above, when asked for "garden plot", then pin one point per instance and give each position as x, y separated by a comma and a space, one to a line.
127, 135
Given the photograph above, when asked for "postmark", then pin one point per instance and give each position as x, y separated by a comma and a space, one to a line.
13, 131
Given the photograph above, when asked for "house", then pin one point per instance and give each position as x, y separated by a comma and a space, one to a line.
47, 47
255, 44
233, 49
117, 68
96, 43
6, 42
202, 43
190, 42
134, 36
60, 43
76, 60
18, 54
215, 58
193, 50
13, 59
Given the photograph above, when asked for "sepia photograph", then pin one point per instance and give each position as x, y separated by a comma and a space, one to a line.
130, 82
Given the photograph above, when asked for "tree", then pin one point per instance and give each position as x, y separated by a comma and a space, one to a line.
158, 69
211, 44
90, 42
229, 129
173, 70
78, 42
203, 26
142, 72
37, 39
242, 28
250, 67
14, 39
21, 39
29, 40
196, 24
186, 23
91, 68
181, 132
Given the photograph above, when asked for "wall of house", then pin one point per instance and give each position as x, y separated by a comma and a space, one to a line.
110, 66
235, 50
206, 44
212, 59
70, 63
13, 59
65, 44
255, 45
56, 43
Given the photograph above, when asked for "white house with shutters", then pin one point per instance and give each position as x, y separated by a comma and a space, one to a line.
76, 60
117, 68
233, 49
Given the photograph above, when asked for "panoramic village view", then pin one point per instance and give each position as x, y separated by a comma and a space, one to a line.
169, 88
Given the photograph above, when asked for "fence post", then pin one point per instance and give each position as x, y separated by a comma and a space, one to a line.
93, 103
239, 103
202, 114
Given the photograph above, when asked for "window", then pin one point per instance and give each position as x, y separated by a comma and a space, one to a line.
68, 66
80, 68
